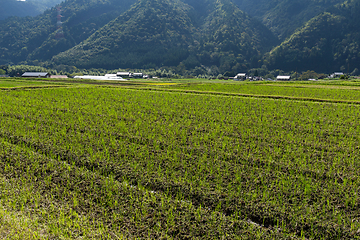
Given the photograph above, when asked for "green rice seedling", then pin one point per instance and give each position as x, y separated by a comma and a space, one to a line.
235, 157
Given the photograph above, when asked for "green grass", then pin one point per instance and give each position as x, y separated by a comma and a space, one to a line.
106, 162
16, 226
21, 83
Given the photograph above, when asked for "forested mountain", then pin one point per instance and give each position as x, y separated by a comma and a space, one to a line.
33, 38
152, 32
283, 17
230, 38
216, 35
157, 33
328, 42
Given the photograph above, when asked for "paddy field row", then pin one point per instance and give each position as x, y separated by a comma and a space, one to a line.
110, 162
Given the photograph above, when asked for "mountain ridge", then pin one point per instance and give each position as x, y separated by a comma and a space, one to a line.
216, 35
129, 29
328, 42
283, 17
205, 41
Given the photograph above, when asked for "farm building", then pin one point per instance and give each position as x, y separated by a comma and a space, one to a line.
36, 75
240, 76
137, 75
283, 78
123, 74
336, 75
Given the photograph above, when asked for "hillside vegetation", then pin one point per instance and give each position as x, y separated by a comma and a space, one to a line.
151, 32
205, 37
33, 39
168, 33
330, 41
283, 17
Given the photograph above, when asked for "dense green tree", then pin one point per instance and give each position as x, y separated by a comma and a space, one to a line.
169, 33
309, 75
33, 38
283, 17
327, 43
203, 37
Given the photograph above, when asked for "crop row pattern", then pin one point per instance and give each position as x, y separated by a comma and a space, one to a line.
286, 165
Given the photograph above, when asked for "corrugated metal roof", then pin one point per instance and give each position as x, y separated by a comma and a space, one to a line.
35, 74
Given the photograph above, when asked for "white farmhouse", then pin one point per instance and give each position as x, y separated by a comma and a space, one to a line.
123, 74
283, 78
336, 75
240, 76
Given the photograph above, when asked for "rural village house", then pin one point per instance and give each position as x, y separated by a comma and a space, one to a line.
283, 78
240, 76
123, 74
336, 75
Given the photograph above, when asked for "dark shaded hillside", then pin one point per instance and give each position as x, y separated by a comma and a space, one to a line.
33, 38
152, 32
21, 36
283, 17
232, 39
328, 42
204, 36
171, 33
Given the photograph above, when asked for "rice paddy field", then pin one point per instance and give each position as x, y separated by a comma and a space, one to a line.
7, 83
184, 161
